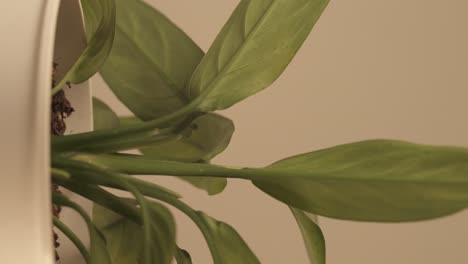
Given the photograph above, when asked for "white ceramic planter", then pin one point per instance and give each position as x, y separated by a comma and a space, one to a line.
28, 30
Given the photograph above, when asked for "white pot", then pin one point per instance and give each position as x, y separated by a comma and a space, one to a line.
28, 30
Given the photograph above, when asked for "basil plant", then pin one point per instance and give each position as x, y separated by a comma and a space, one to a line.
173, 89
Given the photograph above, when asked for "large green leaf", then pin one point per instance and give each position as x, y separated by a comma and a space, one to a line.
99, 16
227, 245
252, 50
151, 61
103, 116
378, 180
125, 238
312, 234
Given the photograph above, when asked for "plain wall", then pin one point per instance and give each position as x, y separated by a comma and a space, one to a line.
370, 69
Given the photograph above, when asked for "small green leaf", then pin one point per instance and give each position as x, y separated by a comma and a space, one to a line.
151, 61
207, 136
253, 49
229, 247
377, 180
99, 17
99, 254
312, 234
125, 238
103, 115
182, 256
211, 185
165, 232
100, 22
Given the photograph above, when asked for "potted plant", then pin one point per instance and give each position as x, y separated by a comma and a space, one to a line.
172, 88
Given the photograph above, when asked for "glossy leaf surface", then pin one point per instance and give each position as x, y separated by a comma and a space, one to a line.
252, 50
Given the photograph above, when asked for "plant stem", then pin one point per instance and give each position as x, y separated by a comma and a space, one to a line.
169, 198
73, 238
60, 173
140, 165
101, 197
59, 86
83, 140
126, 143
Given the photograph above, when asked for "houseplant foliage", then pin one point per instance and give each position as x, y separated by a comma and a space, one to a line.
172, 87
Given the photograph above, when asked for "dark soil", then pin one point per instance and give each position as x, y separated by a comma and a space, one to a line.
60, 110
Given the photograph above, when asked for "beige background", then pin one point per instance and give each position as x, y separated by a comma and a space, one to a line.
370, 69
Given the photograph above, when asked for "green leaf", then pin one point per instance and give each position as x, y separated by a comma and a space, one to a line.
100, 22
253, 49
211, 185
99, 17
377, 180
151, 61
103, 115
99, 254
207, 136
182, 256
312, 234
229, 247
125, 238
165, 232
